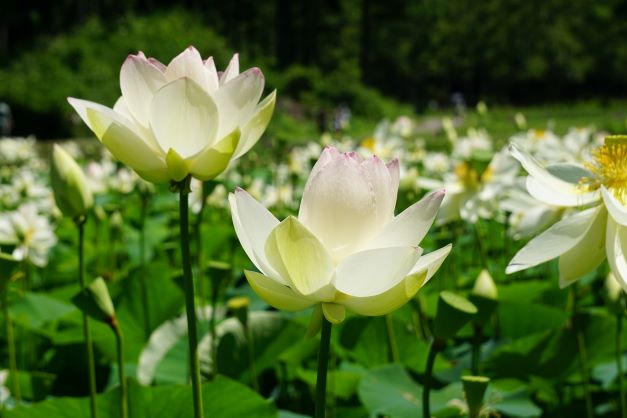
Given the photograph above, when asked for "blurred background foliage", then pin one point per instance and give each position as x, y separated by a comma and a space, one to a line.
379, 58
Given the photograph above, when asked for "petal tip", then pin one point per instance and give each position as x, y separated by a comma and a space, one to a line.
256, 71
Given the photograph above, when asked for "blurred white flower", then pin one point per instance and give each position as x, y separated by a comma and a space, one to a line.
124, 181
477, 141
195, 196
383, 143
218, 197
471, 193
98, 174
30, 233
436, 164
5, 394
17, 150
403, 126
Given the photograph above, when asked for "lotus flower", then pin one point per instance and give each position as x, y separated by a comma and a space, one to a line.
598, 231
183, 119
346, 249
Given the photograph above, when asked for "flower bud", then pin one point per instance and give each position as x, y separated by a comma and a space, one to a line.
484, 296
96, 302
485, 286
239, 306
453, 313
71, 192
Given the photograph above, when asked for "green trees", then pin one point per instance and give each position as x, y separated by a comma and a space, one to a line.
326, 52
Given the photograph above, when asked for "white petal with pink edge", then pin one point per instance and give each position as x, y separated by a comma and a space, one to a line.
139, 81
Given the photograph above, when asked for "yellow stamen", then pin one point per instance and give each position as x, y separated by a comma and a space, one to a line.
369, 143
467, 175
610, 167
488, 174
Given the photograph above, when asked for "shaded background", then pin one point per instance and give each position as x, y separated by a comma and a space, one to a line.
378, 58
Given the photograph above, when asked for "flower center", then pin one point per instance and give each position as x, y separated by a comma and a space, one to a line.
467, 175
610, 167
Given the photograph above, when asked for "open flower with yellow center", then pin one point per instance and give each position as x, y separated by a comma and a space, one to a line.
346, 249
29, 233
182, 119
473, 187
584, 239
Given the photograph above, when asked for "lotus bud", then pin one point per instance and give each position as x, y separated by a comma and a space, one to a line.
100, 213
482, 108
453, 313
485, 286
95, 302
484, 296
116, 221
71, 192
239, 306
521, 121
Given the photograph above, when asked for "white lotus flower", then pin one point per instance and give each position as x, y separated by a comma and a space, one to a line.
346, 249
183, 119
29, 232
471, 194
583, 240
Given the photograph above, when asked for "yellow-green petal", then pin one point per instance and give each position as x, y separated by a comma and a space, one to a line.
300, 258
390, 300
124, 143
276, 294
333, 312
177, 167
256, 126
213, 160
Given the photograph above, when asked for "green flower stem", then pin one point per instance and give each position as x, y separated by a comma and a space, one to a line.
323, 365
420, 323
213, 349
581, 348
251, 357
121, 372
91, 368
583, 365
202, 293
190, 304
482, 251
619, 362
475, 359
434, 348
10, 344
389, 325
142, 264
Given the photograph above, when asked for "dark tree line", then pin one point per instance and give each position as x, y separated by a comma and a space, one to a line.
412, 50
